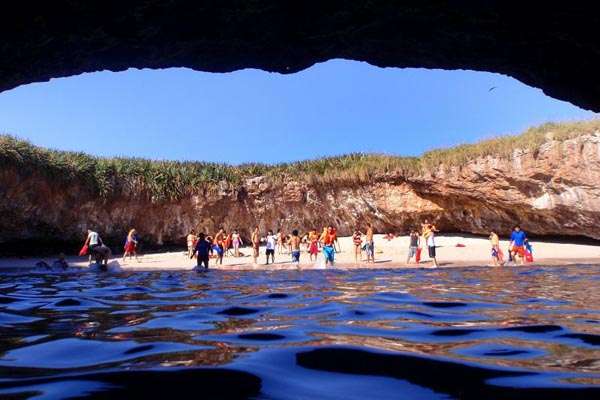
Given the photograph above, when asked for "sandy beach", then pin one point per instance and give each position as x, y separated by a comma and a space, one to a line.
388, 254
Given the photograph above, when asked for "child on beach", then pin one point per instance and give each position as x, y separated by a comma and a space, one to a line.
202, 250
131, 243
357, 241
271, 244
414, 245
295, 248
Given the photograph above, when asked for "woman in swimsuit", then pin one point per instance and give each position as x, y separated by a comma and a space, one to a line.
357, 240
131, 245
236, 240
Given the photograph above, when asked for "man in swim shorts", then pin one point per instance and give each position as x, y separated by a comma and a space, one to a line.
517, 244
295, 247
327, 238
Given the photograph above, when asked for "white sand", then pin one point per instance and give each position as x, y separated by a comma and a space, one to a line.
388, 254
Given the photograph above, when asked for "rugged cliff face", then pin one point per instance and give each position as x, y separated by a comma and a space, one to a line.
554, 190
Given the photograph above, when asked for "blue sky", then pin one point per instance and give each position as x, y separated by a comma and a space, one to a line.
332, 108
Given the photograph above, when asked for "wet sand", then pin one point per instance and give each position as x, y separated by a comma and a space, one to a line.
388, 254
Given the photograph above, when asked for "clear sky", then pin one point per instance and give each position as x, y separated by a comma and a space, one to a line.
332, 108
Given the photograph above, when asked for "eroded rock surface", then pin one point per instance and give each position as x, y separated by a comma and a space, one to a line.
552, 191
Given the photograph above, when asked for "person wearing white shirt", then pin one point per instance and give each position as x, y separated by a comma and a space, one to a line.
431, 247
271, 244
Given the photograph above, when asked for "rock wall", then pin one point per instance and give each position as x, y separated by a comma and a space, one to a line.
554, 190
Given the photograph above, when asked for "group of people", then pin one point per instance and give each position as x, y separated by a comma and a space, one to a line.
426, 236
519, 248
220, 244
203, 247
326, 242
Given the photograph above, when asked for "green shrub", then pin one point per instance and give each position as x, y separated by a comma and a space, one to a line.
173, 180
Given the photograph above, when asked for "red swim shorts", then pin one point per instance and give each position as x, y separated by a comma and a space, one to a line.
520, 250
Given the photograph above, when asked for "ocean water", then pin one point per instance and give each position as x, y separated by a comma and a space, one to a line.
468, 333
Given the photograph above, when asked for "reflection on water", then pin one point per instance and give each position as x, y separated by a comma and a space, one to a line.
529, 332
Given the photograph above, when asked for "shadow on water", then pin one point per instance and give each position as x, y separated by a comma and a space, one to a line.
458, 380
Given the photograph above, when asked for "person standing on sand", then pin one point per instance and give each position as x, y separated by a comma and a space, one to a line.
336, 243
131, 243
413, 245
517, 244
236, 241
271, 245
313, 245
96, 248
255, 238
431, 246
191, 241
496, 253
327, 239
219, 243
357, 241
279, 238
202, 250
295, 248
370, 245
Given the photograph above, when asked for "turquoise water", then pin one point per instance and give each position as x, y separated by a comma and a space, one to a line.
481, 333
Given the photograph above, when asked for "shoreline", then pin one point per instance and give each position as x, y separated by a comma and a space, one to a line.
473, 252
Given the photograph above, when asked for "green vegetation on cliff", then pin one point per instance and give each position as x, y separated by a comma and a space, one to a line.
172, 180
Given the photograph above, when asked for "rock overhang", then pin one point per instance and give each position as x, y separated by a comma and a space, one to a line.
552, 47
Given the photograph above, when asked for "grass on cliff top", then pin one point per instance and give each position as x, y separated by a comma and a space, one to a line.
172, 180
